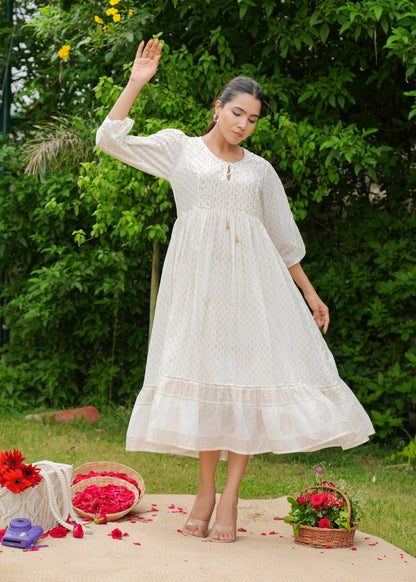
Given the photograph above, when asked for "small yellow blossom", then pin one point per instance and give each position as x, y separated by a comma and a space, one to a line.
113, 2
130, 12
111, 11
116, 17
98, 19
64, 52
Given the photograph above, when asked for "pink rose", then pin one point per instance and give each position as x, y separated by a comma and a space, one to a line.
58, 532
324, 523
78, 532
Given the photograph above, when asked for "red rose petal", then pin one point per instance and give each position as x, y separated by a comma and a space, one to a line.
241, 529
58, 532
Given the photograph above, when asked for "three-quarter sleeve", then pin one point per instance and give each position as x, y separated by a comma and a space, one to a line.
278, 219
155, 154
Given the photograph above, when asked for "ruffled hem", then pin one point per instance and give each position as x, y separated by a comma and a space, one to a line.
184, 417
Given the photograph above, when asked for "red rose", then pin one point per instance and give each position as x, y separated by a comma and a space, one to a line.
329, 499
116, 534
2, 532
302, 500
78, 532
58, 532
317, 499
100, 518
324, 523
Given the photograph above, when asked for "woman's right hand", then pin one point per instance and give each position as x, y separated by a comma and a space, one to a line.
144, 67
146, 62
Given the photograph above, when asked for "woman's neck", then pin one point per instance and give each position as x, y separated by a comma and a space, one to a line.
221, 148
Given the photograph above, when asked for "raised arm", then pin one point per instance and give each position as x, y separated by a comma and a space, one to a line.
319, 309
144, 68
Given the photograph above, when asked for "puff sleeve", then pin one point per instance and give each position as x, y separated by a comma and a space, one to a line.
278, 219
154, 154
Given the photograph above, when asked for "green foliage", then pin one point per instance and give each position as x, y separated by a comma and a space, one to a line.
77, 316
78, 232
408, 454
369, 282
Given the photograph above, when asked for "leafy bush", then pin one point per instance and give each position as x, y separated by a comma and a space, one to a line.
364, 266
80, 232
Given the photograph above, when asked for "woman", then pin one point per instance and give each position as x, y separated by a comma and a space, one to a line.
236, 364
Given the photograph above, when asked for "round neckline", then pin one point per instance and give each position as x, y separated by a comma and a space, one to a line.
222, 159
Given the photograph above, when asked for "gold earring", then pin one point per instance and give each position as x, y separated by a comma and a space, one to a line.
215, 118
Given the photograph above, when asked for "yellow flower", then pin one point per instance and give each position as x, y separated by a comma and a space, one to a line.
64, 52
112, 2
111, 11
99, 20
130, 12
116, 17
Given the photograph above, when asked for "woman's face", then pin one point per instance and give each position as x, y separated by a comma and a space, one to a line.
237, 119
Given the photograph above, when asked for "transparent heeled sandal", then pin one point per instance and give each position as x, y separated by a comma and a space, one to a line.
228, 530
200, 527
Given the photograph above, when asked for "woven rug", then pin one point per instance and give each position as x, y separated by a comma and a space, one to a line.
152, 549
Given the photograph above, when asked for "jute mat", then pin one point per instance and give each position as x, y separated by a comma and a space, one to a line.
154, 550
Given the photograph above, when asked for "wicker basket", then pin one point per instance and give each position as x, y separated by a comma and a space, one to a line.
102, 482
324, 537
101, 466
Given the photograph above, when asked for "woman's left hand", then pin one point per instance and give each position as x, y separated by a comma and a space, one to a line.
319, 309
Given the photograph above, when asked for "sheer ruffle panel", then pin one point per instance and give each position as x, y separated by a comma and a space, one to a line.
185, 417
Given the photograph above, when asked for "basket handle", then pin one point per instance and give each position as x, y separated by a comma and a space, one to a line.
330, 488
64, 482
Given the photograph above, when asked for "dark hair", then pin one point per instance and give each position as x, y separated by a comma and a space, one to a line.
235, 86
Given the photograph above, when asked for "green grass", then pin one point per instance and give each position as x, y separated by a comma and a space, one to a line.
389, 493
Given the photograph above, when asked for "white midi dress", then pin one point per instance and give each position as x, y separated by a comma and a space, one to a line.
236, 361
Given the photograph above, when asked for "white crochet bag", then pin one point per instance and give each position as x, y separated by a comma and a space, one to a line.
48, 504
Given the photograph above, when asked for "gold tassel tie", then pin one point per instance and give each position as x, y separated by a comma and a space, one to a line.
237, 240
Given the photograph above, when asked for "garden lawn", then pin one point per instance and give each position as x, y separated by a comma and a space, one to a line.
388, 493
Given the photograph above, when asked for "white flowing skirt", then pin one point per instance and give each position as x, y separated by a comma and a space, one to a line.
236, 361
